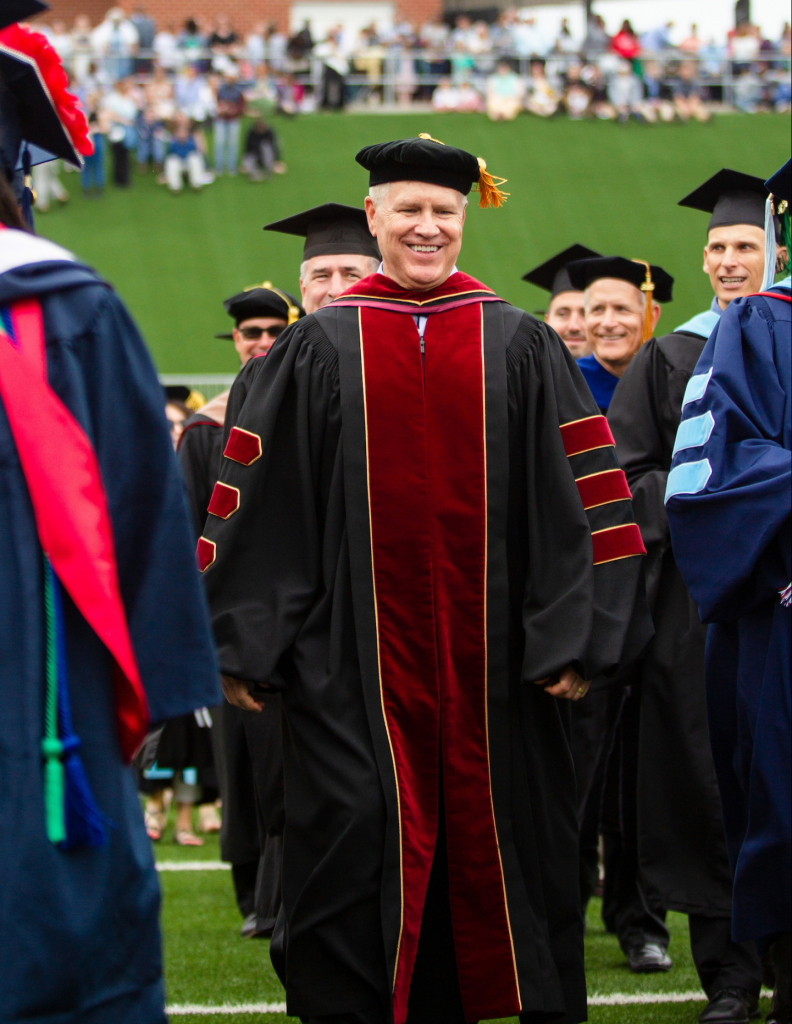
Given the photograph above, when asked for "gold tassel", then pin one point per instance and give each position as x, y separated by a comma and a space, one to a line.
425, 135
487, 188
648, 289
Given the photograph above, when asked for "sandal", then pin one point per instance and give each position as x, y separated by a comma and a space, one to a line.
154, 823
208, 819
184, 837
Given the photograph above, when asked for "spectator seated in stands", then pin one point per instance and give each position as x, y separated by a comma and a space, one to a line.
445, 96
184, 158
577, 95
505, 94
463, 97
688, 101
659, 101
469, 98
262, 155
542, 99
625, 93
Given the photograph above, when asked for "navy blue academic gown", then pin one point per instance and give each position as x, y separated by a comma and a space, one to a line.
79, 932
728, 502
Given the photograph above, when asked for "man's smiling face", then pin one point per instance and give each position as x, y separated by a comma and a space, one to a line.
734, 260
419, 230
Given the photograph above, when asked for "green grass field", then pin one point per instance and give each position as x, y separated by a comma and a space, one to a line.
610, 186
208, 964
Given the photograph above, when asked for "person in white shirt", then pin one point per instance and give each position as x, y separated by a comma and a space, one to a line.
166, 48
115, 40
255, 47
445, 96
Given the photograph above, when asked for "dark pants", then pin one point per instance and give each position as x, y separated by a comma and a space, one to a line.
625, 909
249, 761
720, 962
120, 164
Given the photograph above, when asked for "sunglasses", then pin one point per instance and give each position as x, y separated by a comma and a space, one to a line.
254, 333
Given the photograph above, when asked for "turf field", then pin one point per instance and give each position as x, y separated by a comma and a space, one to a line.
613, 187
209, 965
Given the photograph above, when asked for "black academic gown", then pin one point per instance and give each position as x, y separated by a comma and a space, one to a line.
289, 576
79, 929
682, 851
247, 746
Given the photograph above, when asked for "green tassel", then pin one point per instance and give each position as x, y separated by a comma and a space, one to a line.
54, 790
51, 746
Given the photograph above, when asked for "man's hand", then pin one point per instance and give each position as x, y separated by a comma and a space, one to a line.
568, 685
237, 692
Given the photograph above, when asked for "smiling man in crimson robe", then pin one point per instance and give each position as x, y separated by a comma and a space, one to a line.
422, 539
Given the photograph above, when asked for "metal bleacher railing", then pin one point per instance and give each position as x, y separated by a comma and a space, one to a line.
208, 384
386, 75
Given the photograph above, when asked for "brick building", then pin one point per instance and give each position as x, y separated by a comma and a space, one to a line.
245, 13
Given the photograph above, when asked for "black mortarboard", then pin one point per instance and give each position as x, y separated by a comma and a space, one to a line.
262, 300
176, 393
552, 275
330, 230
781, 183
18, 10
29, 109
427, 159
582, 273
731, 197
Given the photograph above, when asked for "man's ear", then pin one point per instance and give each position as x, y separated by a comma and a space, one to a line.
782, 258
656, 311
371, 212
705, 268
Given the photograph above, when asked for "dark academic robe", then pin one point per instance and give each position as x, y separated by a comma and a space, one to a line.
247, 746
79, 931
682, 853
728, 503
407, 534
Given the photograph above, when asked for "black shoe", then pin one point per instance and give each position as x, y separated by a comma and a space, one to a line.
649, 959
730, 1006
781, 1009
250, 929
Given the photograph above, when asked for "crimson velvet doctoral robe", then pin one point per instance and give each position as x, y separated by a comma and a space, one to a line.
405, 534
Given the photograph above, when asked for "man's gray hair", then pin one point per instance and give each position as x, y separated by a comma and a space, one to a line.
372, 261
642, 294
378, 192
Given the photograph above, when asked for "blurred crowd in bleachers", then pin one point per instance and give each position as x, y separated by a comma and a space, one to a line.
165, 96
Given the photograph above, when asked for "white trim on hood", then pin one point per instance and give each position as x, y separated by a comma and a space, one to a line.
19, 249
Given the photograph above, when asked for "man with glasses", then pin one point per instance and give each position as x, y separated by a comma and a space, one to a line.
247, 747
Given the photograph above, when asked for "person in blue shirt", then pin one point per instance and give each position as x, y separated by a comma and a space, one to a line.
729, 510
622, 311
184, 157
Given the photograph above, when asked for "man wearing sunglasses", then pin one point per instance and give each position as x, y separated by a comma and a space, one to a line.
247, 746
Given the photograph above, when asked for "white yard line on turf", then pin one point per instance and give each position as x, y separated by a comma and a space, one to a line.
182, 1009
610, 999
192, 865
